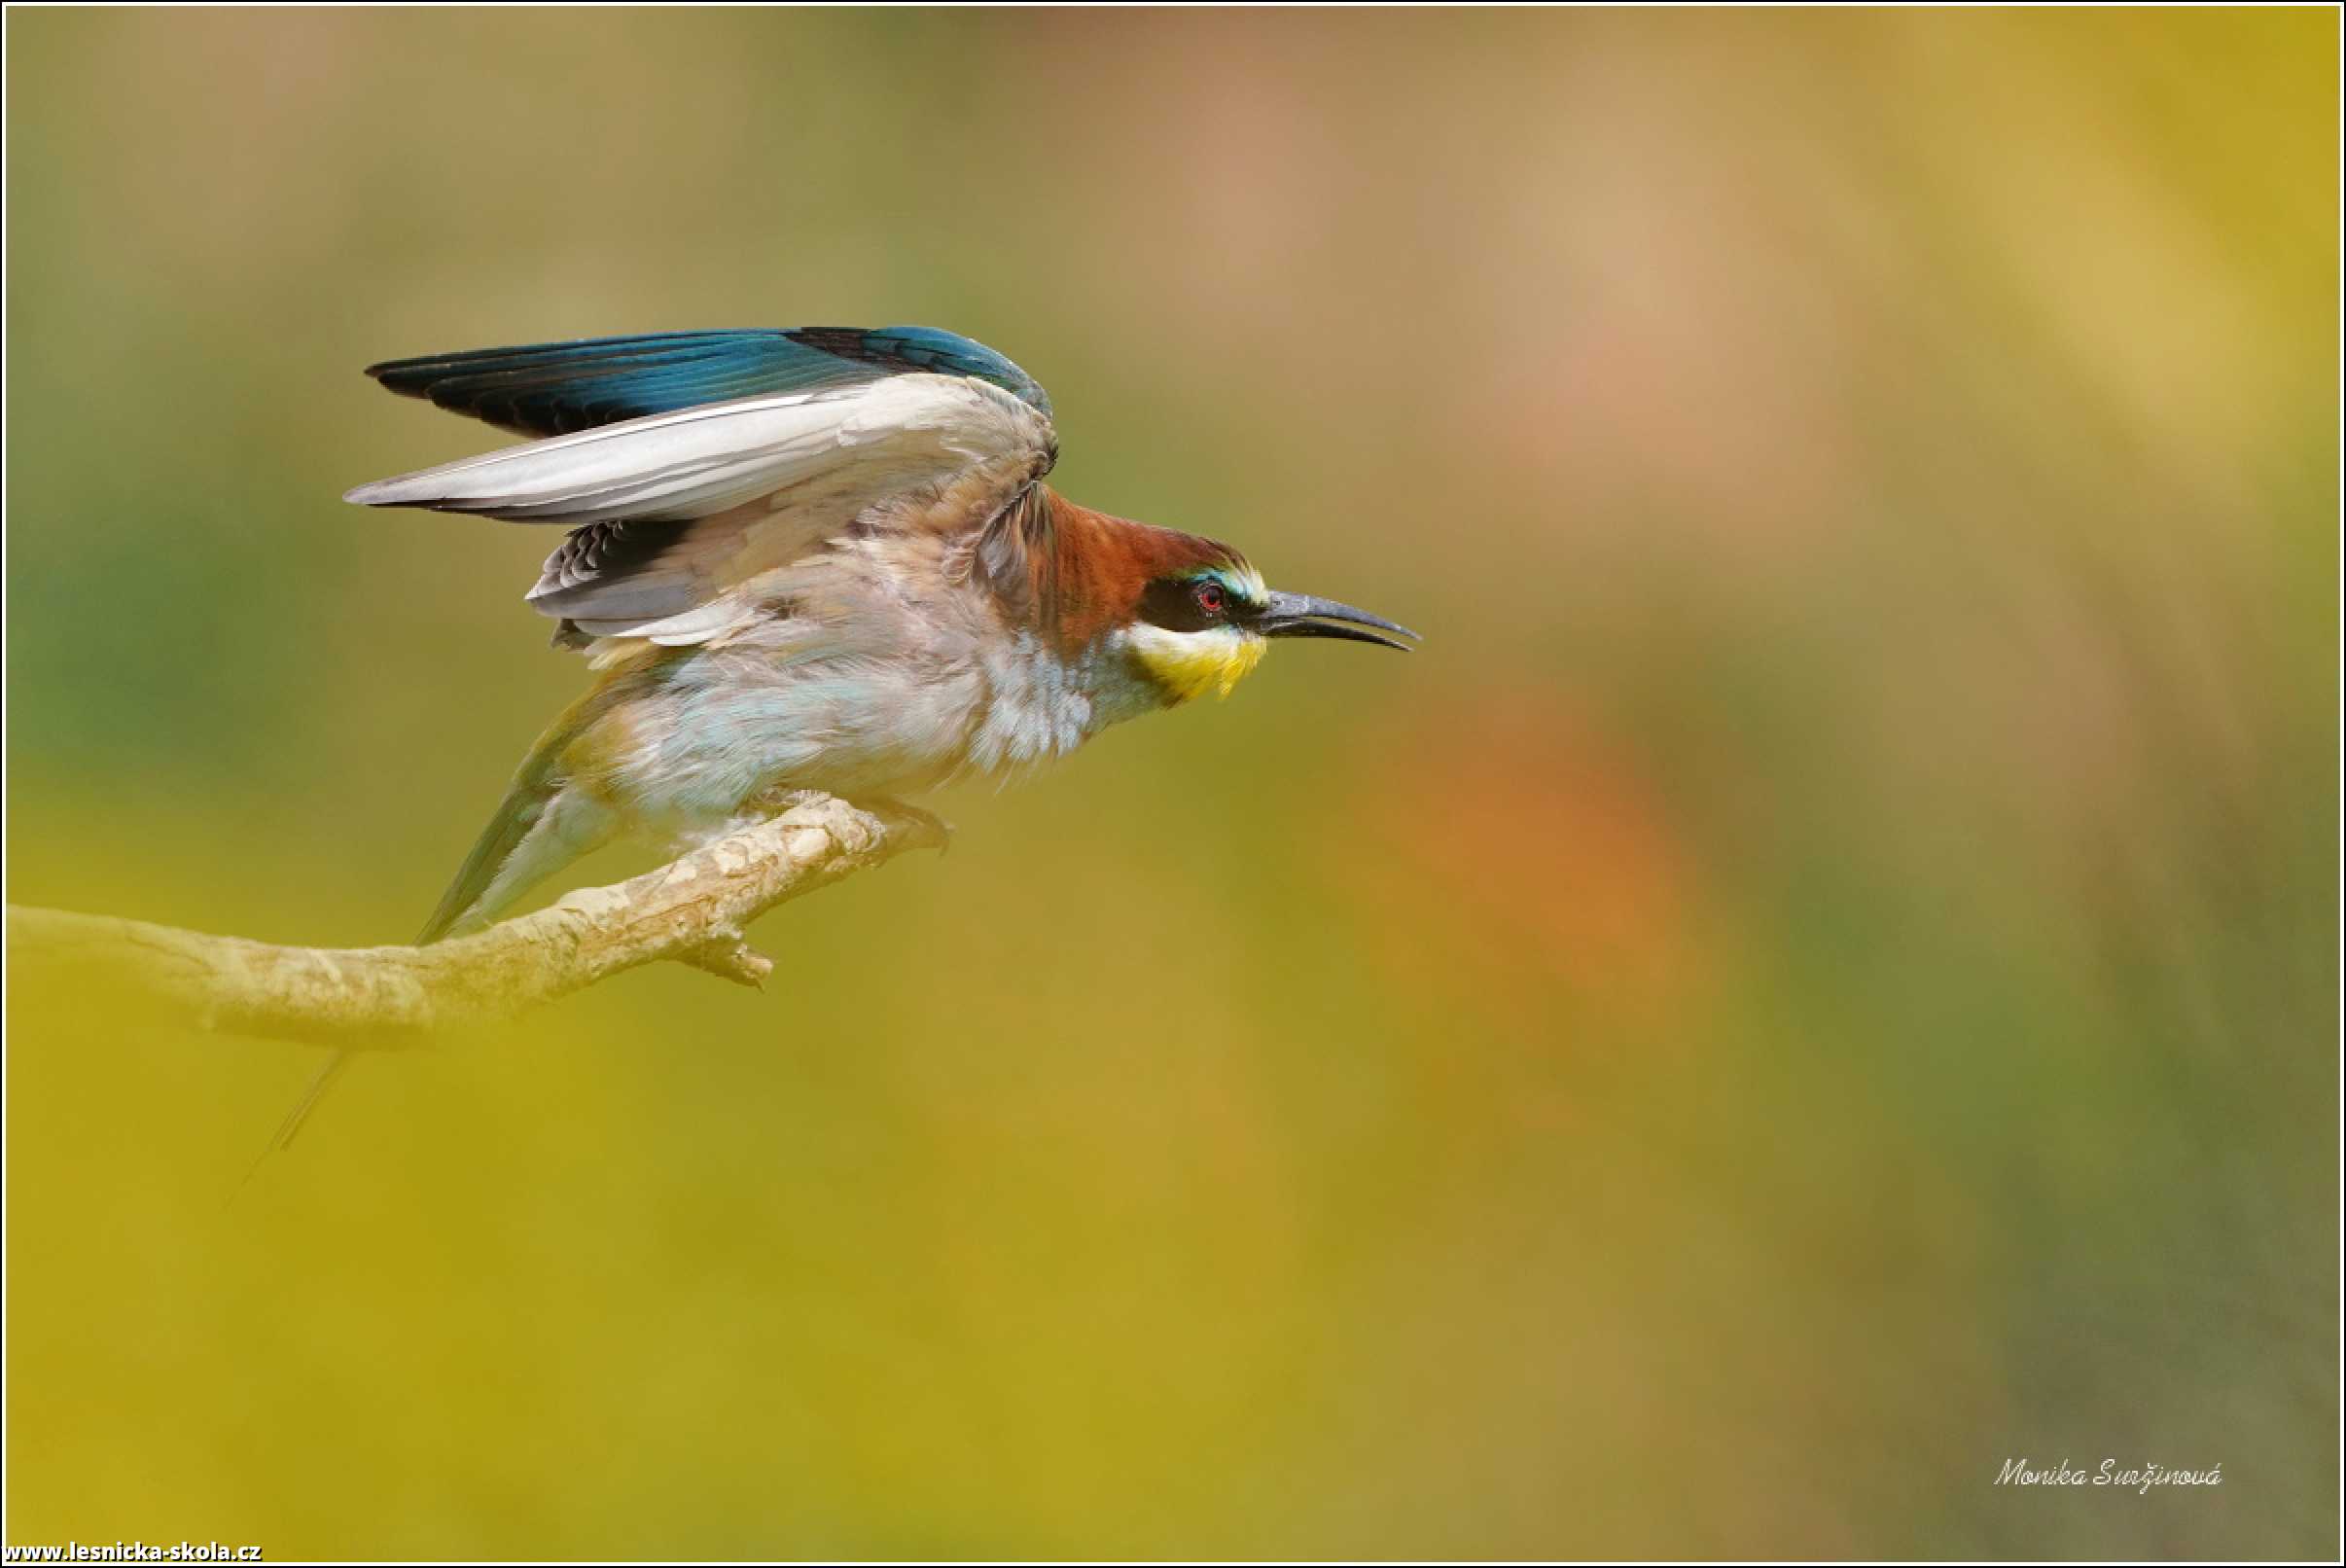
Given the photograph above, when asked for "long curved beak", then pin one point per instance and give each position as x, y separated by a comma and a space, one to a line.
1305, 614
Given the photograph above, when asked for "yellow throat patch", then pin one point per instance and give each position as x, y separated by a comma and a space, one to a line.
1189, 665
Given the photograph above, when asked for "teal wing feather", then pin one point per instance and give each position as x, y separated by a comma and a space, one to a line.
552, 389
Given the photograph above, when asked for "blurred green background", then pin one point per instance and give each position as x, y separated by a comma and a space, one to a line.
1819, 979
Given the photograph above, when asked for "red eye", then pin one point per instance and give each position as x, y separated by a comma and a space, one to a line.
1210, 598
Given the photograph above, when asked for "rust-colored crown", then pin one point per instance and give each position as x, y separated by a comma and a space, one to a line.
1080, 572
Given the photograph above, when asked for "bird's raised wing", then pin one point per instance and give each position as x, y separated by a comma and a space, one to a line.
552, 389
673, 505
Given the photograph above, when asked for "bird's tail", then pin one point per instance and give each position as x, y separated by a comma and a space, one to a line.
539, 828
526, 805
282, 1139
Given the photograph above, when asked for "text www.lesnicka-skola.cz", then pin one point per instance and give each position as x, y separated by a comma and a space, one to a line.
131, 1551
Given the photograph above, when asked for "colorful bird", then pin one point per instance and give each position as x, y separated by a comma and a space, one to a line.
815, 558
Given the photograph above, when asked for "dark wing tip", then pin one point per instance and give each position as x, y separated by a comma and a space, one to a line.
925, 349
547, 389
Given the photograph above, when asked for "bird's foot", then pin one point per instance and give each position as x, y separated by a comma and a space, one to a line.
934, 829
930, 828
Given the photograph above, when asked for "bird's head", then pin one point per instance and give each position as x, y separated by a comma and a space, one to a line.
1202, 619
1176, 615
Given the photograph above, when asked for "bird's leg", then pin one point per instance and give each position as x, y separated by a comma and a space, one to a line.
772, 802
763, 806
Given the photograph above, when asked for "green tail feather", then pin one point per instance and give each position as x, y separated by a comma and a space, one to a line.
519, 813
536, 782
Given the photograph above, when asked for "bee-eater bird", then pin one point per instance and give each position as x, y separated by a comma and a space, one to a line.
814, 558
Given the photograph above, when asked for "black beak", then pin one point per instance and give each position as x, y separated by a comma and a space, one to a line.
1302, 615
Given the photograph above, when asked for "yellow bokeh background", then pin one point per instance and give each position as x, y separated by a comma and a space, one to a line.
1819, 979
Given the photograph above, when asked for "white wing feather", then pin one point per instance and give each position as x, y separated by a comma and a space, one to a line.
732, 490
851, 446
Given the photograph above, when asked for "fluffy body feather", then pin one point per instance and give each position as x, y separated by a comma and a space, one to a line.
886, 663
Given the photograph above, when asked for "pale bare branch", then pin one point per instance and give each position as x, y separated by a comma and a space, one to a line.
693, 910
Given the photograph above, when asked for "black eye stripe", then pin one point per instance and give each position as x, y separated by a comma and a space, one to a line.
1174, 603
